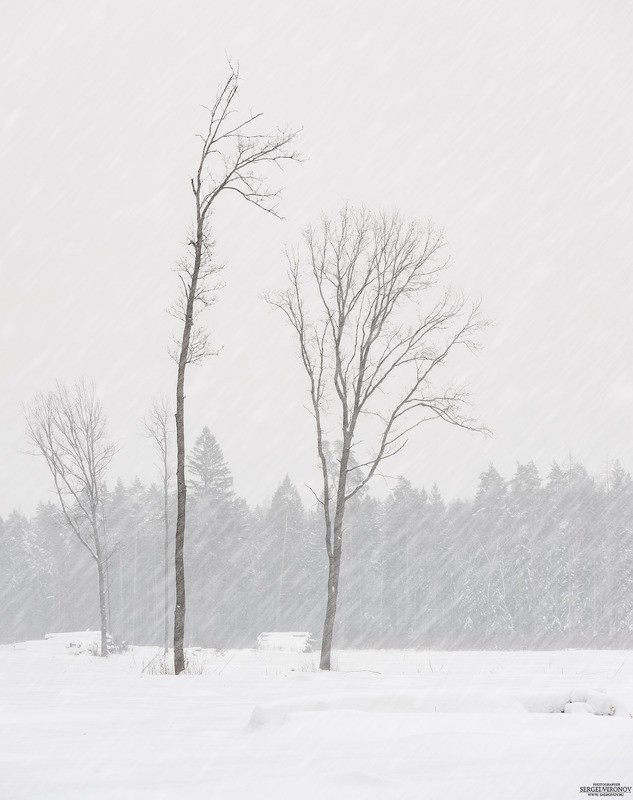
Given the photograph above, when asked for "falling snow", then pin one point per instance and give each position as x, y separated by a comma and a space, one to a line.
464, 168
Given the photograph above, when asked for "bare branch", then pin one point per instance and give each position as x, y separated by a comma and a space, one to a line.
373, 337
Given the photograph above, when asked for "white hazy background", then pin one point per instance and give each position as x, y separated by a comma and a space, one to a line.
509, 123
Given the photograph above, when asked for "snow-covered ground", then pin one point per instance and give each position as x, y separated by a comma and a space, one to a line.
266, 724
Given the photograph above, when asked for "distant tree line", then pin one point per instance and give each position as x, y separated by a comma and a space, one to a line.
527, 563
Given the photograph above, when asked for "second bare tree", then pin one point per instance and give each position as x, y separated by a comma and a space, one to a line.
373, 328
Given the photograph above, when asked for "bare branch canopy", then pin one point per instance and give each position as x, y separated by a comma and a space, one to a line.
374, 329
67, 427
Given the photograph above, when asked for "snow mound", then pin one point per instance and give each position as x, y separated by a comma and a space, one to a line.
578, 708
464, 701
574, 701
436, 701
286, 641
76, 641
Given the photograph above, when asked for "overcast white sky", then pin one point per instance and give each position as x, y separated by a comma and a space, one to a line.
508, 123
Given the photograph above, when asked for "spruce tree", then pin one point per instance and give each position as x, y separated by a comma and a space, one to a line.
209, 475
489, 529
526, 550
284, 530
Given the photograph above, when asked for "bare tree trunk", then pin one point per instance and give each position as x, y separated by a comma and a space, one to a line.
181, 486
334, 558
108, 595
179, 615
361, 627
106, 571
103, 588
120, 594
334, 573
157, 428
382, 602
166, 560
281, 572
103, 609
134, 636
103, 603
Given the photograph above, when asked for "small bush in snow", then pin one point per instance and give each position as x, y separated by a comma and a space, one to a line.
195, 662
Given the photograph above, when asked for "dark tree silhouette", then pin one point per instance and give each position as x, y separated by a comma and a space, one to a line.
234, 157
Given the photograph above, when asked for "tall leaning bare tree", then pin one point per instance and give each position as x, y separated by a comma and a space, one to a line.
235, 157
374, 329
158, 429
68, 428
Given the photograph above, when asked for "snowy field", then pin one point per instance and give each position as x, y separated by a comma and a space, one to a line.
265, 724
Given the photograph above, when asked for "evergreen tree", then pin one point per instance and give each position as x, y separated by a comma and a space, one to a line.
284, 529
361, 621
439, 603
616, 556
527, 548
216, 535
26, 575
490, 530
405, 560
209, 475
520, 565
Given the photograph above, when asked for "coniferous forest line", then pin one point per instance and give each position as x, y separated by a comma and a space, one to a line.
530, 562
